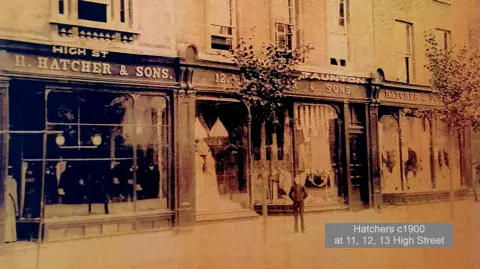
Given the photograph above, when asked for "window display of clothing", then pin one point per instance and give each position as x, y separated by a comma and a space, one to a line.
32, 179
11, 210
51, 185
150, 177
73, 185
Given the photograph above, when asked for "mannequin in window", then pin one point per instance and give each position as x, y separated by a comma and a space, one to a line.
230, 162
73, 185
151, 181
11, 209
115, 187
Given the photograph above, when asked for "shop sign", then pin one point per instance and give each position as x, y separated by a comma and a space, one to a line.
331, 89
334, 78
55, 65
410, 97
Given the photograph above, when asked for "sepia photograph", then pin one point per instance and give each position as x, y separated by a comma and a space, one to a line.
259, 134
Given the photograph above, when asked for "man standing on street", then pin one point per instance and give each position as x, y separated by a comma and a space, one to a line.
298, 194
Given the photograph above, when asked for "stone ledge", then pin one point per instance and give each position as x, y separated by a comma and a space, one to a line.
423, 197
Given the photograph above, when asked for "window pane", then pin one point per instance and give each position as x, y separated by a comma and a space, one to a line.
92, 11
221, 12
220, 159
407, 37
316, 159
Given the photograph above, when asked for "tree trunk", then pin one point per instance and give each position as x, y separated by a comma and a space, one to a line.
264, 172
450, 171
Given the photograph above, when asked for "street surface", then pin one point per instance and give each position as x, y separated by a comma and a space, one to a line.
240, 244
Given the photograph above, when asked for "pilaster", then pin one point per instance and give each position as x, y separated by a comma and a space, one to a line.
4, 126
374, 155
184, 152
346, 156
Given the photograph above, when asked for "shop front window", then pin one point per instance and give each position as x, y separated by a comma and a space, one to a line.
103, 155
316, 134
220, 159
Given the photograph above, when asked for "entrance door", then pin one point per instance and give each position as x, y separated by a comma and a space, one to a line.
358, 169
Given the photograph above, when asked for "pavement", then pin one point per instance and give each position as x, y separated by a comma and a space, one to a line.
247, 244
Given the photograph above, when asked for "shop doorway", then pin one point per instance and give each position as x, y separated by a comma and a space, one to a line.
360, 196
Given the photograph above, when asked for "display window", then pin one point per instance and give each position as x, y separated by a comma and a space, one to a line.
104, 152
221, 156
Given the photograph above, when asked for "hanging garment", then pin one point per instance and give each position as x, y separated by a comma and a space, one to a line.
218, 130
11, 210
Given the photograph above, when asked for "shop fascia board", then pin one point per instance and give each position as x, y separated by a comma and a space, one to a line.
46, 45
317, 69
403, 86
75, 81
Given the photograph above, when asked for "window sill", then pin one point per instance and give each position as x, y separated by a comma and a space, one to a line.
94, 25
94, 31
447, 2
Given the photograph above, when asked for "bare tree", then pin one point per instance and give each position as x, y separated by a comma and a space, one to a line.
455, 77
266, 74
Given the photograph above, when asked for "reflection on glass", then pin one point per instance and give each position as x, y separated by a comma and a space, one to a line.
220, 156
91, 162
316, 160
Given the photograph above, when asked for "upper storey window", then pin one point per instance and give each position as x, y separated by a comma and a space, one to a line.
443, 37
111, 20
286, 33
403, 32
221, 28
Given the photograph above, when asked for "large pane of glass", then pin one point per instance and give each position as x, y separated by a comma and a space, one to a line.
221, 141
316, 158
151, 138
88, 159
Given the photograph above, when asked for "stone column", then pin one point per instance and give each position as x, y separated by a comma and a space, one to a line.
374, 155
4, 126
184, 155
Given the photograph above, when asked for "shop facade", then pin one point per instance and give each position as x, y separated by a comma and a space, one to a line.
88, 145
419, 162
99, 143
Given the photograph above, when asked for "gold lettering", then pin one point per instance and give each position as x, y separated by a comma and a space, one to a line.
72, 51
139, 71
156, 72
95, 53
329, 88
55, 65
106, 69
85, 66
148, 72
347, 90
64, 64
19, 61
352, 80
97, 68
56, 49
75, 66
315, 76
42, 62
164, 73
306, 74
104, 54
82, 52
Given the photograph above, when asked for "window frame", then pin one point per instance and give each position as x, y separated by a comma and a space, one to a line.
291, 23
407, 53
446, 38
70, 15
210, 32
